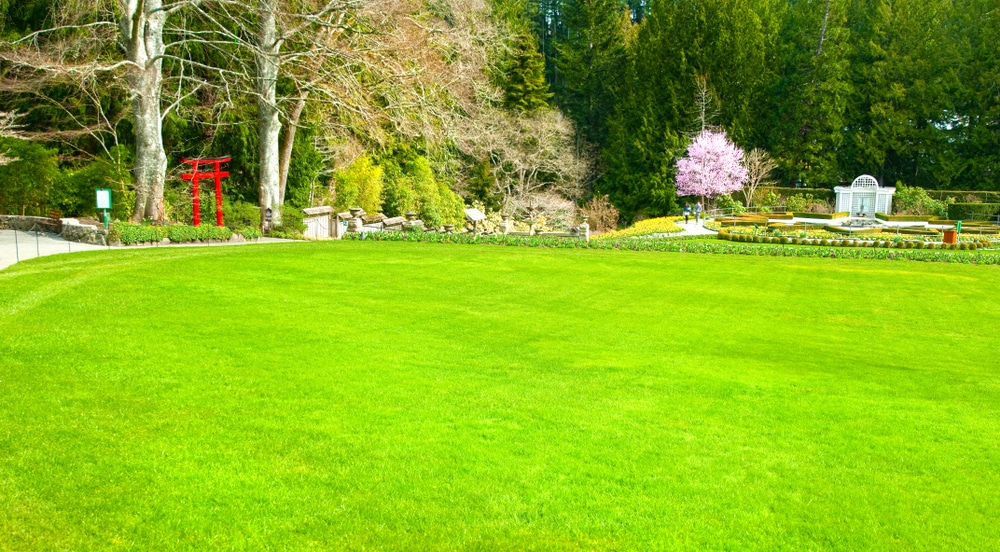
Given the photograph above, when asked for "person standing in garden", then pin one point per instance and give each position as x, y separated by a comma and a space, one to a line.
687, 212
697, 212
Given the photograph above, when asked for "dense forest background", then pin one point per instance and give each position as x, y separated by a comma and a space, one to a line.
905, 90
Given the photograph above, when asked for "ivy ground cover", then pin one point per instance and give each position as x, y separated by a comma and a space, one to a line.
374, 395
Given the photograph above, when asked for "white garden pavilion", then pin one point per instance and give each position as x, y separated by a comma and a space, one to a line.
864, 197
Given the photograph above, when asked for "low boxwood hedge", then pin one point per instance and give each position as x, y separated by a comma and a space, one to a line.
917, 231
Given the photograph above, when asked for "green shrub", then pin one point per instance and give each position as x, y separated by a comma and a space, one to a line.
251, 233
770, 199
913, 200
240, 214
918, 245
291, 220
26, 182
756, 239
360, 185
729, 204
783, 240
824, 242
806, 203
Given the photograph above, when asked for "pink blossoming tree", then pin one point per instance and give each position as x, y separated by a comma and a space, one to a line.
713, 166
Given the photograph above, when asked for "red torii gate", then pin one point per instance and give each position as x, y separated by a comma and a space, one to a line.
194, 176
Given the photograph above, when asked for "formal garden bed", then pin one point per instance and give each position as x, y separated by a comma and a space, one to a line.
699, 244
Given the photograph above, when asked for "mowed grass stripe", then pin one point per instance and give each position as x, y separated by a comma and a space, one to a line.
416, 396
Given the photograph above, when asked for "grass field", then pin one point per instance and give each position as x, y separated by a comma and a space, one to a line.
434, 397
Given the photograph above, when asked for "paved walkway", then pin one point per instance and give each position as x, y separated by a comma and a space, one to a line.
20, 246
694, 229
690, 229
29, 245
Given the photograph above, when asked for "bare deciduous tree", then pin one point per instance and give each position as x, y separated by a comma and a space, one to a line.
532, 157
8, 127
759, 165
705, 104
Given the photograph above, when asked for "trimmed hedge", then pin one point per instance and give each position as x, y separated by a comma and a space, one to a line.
184, 234
822, 216
851, 232
906, 218
984, 197
823, 194
973, 211
131, 234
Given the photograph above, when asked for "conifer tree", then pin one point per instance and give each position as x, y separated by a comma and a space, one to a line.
591, 63
526, 89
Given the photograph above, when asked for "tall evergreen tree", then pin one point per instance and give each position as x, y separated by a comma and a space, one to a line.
904, 81
525, 88
809, 100
592, 64
975, 121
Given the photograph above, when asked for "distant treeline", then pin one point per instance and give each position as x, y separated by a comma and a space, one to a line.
905, 90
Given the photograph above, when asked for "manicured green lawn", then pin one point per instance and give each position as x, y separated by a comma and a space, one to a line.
419, 396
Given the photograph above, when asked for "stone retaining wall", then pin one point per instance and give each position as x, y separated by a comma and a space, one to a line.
68, 229
31, 224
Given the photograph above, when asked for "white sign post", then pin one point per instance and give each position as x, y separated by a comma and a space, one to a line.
104, 202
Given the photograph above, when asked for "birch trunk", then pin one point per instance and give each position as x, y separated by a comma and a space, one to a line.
268, 122
142, 30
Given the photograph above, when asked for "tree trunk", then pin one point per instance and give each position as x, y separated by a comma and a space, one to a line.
822, 30
286, 147
142, 29
268, 122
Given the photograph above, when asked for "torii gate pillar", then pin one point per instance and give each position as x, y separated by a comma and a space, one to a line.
194, 176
